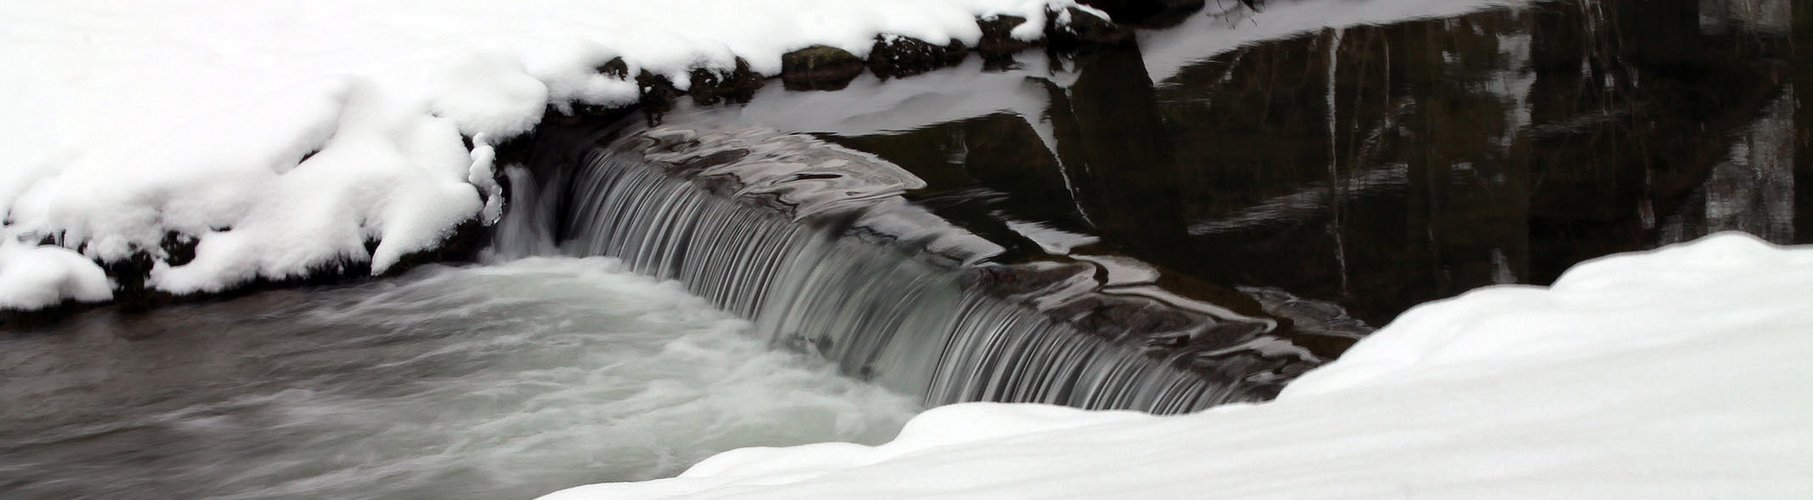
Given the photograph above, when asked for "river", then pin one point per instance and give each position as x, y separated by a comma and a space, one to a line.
1305, 156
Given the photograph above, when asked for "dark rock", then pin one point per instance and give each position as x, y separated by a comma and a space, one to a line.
997, 36
819, 68
1084, 29
898, 56
711, 86
658, 94
615, 68
129, 276
178, 248
462, 244
1146, 12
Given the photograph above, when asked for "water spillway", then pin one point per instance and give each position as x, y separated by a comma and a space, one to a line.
818, 246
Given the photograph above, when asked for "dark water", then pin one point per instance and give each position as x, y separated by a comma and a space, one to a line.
1375, 166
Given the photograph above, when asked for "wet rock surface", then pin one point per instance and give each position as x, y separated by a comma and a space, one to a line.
1073, 27
997, 36
1259, 339
712, 86
820, 68
1146, 12
899, 56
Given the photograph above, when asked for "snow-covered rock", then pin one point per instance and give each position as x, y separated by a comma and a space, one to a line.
1678, 373
34, 277
288, 135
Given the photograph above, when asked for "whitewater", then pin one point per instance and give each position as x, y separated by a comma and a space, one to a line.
1676, 373
496, 381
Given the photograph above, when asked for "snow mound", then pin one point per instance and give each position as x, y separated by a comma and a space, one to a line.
38, 277
1678, 373
283, 137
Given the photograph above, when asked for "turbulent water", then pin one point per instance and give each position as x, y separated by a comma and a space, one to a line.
882, 293
502, 381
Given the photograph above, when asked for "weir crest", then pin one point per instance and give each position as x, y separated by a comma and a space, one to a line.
820, 248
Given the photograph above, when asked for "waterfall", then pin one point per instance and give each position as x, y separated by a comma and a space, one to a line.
814, 244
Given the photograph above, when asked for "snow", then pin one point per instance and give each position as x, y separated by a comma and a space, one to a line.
35, 277
286, 134
872, 106
1678, 373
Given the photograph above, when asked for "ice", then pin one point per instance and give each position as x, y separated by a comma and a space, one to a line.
1677, 373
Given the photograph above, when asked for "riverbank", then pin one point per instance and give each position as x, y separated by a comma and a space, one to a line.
194, 147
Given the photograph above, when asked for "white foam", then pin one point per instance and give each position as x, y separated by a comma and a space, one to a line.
1678, 373
501, 381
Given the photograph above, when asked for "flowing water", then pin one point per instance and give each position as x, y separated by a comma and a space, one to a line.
504, 381
817, 247
1192, 220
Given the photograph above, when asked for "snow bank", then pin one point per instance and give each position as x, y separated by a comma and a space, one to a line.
285, 135
1679, 373
34, 277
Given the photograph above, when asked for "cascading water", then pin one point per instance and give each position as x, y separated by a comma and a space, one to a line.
814, 243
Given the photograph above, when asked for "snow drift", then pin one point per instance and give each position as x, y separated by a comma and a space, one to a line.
283, 138
1677, 373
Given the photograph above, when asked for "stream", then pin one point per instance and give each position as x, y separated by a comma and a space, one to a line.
1310, 163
